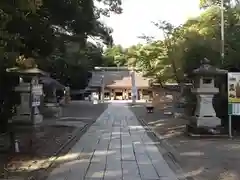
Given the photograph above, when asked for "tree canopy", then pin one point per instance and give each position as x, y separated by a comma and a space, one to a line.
53, 36
183, 47
45, 29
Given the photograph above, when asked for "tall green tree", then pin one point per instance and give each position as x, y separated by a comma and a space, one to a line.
116, 54
42, 29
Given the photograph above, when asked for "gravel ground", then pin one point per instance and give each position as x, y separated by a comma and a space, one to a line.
83, 109
53, 134
199, 158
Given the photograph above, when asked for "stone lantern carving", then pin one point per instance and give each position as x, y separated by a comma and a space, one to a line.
204, 88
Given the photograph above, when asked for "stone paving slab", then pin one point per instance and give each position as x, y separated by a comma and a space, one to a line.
116, 147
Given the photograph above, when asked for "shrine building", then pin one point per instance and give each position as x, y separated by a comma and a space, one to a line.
118, 84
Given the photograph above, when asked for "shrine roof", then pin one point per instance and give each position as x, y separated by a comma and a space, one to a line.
117, 79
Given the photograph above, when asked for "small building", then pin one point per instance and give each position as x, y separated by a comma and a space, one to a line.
118, 84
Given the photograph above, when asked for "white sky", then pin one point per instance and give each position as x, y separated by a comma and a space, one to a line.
138, 14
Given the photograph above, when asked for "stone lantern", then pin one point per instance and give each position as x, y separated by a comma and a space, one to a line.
30, 92
204, 89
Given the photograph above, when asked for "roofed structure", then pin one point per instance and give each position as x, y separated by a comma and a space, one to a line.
117, 79
52, 83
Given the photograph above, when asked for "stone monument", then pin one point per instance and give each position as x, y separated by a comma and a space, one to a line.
204, 89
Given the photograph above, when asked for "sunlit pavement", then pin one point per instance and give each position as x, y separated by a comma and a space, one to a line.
117, 147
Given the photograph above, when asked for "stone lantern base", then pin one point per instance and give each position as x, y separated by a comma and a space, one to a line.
25, 119
205, 122
204, 126
205, 115
23, 116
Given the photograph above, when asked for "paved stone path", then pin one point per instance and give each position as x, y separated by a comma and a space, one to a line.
115, 147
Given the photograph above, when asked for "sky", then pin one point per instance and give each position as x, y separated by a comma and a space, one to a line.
138, 14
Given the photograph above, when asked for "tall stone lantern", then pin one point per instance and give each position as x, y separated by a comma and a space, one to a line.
30, 92
204, 89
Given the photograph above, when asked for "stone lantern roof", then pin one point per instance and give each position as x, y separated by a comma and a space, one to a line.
208, 70
28, 72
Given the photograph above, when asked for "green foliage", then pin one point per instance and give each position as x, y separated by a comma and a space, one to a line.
55, 33
116, 54
210, 3
42, 30
183, 47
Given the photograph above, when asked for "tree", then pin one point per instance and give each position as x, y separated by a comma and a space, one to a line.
185, 46
42, 29
116, 54
170, 38
209, 3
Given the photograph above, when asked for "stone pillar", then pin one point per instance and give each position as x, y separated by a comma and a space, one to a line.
141, 94
102, 88
127, 94
113, 94
134, 88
